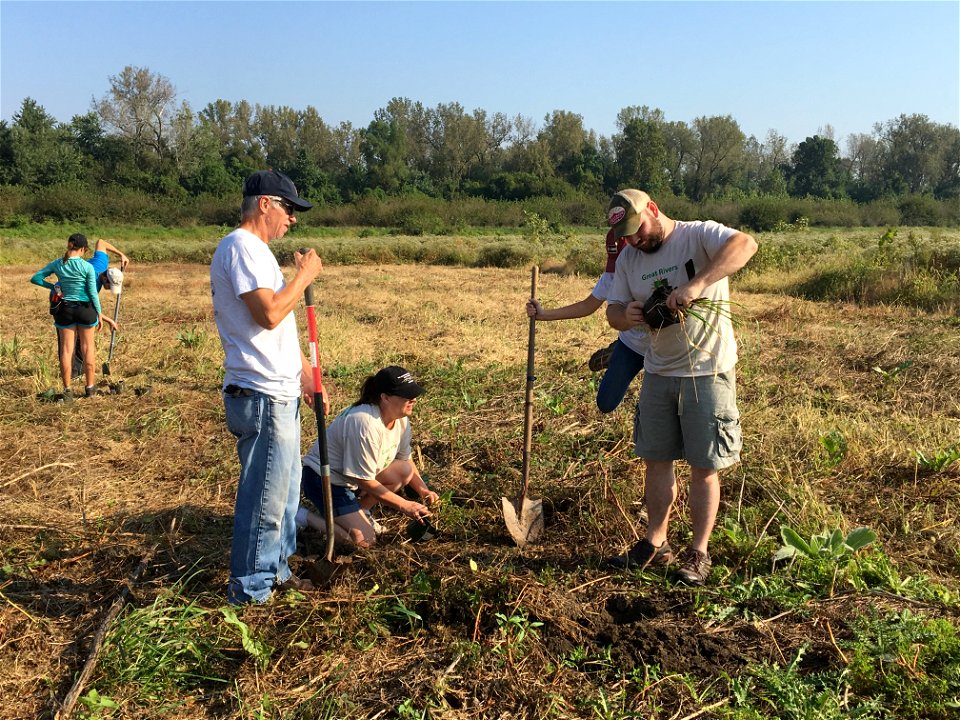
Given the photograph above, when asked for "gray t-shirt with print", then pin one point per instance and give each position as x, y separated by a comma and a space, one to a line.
692, 348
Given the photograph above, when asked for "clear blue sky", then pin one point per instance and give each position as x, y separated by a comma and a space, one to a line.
789, 66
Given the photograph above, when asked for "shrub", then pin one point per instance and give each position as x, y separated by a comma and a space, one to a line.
448, 252
879, 213
504, 254
13, 201
211, 210
764, 213
912, 663
919, 210
833, 213
421, 222
65, 203
585, 261
726, 212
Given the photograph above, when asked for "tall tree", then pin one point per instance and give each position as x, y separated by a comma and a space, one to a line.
816, 170
277, 129
681, 145
642, 155
140, 106
233, 126
456, 139
196, 151
41, 151
383, 150
864, 164
764, 164
563, 138
914, 152
716, 155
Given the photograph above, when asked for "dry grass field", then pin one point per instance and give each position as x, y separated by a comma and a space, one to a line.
845, 410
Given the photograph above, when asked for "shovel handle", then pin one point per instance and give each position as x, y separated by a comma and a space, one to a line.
113, 330
308, 299
528, 403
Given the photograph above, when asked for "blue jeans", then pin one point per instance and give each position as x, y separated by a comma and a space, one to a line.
344, 499
624, 366
268, 494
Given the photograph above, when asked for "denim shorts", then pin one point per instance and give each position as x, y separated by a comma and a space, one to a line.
689, 418
344, 499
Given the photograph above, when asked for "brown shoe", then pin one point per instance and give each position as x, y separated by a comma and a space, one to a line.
694, 567
601, 358
642, 555
295, 583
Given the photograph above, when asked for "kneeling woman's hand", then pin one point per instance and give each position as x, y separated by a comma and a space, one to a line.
416, 511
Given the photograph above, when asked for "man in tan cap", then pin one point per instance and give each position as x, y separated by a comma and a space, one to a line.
672, 279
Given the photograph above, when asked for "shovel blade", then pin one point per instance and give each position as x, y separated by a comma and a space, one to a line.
524, 519
321, 571
106, 368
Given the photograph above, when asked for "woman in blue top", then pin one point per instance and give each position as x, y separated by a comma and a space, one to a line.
78, 313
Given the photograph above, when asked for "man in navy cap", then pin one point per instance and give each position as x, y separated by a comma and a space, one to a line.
266, 374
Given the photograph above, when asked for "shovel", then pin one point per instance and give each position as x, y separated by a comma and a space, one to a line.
524, 515
113, 335
322, 571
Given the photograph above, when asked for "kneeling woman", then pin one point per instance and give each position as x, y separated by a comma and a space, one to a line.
369, 452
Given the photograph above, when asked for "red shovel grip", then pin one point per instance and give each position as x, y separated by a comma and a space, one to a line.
314, 343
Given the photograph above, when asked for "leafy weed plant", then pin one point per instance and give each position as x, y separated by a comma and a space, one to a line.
939, 460
788, 693
910, 663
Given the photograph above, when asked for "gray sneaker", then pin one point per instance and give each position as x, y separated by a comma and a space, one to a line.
377, 527
642, 555
694, 567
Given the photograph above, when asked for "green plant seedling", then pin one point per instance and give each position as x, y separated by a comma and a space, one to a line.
191, 338
516, 628
940, 460
835, 445
888, 375
97, 702
831, 545
254, 647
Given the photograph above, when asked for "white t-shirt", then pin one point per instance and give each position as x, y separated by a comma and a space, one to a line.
267, 361
637, 338
359, 445
691, 348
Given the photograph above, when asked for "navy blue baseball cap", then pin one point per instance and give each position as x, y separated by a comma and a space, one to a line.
271, 182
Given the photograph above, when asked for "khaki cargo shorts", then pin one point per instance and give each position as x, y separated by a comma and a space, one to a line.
689, 418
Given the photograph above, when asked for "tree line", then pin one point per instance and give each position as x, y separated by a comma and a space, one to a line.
140, 139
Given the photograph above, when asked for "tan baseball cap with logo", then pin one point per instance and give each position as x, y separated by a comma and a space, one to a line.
623, 213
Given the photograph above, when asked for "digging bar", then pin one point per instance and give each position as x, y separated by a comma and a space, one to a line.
113, 335
524, 515
322, 571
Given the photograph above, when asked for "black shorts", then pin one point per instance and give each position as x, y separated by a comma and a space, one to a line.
70, 314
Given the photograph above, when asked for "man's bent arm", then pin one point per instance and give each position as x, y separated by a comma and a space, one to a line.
734, 254
269, 308
103, 246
